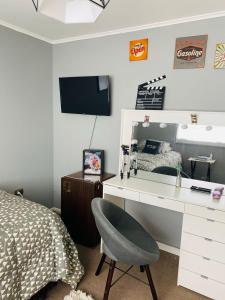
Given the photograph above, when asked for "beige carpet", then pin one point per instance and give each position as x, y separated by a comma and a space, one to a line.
164, 275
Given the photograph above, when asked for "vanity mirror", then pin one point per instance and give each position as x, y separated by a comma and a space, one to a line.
162, 146
165, 147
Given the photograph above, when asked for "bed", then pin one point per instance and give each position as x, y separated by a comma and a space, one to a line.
151, 154
149, 162
35, 249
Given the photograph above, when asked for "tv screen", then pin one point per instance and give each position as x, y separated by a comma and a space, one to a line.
85, 95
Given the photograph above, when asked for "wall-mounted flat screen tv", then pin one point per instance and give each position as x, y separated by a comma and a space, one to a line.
85, 95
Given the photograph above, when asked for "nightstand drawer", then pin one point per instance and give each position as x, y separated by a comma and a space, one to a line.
203, 247
163, 202
201, 284
202, 265
120, 192
205, 212
207, 228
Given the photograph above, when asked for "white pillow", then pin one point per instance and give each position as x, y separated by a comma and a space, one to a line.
165, 147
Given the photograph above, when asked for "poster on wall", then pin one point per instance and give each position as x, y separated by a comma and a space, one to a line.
219, 62
190, 52
139, 50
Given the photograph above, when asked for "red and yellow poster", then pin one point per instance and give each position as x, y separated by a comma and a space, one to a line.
139, 50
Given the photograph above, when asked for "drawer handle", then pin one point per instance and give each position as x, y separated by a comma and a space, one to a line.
210, 220
210, 208
120, 188
161, 197
67, 186
204, 277
208, 240
206, 258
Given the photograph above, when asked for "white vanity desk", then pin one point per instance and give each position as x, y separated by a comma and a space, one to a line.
202, 251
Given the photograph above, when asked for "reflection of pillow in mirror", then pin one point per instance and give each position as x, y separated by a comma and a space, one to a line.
152, 147
165, 147
141, 145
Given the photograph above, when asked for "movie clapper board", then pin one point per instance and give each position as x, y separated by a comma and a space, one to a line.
151, 97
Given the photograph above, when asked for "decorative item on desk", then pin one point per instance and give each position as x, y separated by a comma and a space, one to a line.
217, 193
194, 118
146, 122
151, 97
93, 162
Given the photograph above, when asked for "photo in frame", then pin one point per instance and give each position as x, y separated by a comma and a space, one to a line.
93, 162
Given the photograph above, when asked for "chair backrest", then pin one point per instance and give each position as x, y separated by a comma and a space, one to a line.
169, 171
112, 223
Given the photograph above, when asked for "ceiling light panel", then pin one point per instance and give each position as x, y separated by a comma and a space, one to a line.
72, 11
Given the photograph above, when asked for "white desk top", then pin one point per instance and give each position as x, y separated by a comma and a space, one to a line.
184, 194
208, 161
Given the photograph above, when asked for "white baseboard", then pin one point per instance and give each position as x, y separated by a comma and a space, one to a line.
169, 249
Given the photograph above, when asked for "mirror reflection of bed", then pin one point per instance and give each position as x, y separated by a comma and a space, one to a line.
164, 148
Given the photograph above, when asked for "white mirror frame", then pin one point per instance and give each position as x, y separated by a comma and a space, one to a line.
165, 116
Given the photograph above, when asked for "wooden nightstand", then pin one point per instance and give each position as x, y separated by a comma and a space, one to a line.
77, 192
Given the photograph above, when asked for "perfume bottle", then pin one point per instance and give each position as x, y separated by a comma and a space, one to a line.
178, 179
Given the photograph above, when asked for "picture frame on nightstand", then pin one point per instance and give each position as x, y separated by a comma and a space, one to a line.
93, 162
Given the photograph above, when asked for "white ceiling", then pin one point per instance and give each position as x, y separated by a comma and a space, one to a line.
119, 16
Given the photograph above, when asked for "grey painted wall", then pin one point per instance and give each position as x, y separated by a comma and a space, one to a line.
199, 89
26, 115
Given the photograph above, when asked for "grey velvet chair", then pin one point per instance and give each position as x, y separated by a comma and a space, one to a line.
124, 240
169, 171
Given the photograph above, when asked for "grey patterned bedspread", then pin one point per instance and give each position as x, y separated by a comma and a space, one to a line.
149, 162
35, 249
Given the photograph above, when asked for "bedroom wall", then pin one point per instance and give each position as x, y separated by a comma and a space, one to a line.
199, 89
26, 115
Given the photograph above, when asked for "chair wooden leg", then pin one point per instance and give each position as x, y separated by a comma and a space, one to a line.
100, 264
151, 283
109, 279
142, 269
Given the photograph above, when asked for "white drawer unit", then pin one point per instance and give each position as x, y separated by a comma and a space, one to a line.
205, 212
202, 250
203, 227
121, 192
201, 284
161, 201
203, 247
202, 265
